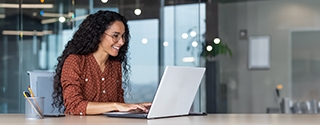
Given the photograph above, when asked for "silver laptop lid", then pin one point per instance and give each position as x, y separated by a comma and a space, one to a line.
176, 91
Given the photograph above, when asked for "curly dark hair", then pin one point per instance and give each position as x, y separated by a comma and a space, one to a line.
86, 41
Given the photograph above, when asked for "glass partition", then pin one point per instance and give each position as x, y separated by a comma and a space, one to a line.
34, 34
175, 32
10, 61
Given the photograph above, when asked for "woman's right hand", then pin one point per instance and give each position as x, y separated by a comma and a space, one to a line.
131, 107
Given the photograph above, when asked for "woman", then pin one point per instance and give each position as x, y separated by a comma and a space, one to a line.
88, 76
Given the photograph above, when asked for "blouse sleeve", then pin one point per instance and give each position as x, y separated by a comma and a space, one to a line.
71, 87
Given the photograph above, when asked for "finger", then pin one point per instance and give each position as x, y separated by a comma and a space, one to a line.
133, 109
142, 107
147, 104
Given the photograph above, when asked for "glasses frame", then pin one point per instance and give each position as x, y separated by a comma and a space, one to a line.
116, 39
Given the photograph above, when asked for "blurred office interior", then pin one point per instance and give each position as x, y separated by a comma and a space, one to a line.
273, 43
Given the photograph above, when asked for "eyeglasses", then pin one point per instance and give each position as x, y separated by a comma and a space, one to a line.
116, 37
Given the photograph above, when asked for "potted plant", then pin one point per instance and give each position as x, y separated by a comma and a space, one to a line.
215, 48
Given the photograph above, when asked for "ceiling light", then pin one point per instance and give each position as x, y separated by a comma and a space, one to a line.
104, 1
194, 43
209, 48
26, 33
165, 43
62, 19
34, 14
137, 11
79, 17
144, 41
188, 59
5, 5
184, 35
193, 33
53, 20
46, 21
55, 15
216, 40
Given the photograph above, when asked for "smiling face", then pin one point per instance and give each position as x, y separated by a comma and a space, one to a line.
112, 39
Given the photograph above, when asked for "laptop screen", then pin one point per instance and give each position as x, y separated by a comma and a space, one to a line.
176, 91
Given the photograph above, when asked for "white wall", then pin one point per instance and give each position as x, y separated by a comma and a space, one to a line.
250, 91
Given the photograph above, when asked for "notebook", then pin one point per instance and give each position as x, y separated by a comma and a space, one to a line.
41, 82
175, 94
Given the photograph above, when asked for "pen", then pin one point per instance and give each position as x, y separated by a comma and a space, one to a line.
30, 90
32, 95
25, 95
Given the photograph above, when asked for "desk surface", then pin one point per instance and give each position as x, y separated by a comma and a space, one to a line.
211, 119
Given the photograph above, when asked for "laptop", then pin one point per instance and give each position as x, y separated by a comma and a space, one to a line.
41, 83
175, 94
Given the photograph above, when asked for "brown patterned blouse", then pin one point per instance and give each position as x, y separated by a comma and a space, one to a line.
83, 81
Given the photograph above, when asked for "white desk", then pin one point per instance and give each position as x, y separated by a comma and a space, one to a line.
211, 119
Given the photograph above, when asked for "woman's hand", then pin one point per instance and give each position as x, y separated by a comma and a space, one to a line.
144, 107
146, 104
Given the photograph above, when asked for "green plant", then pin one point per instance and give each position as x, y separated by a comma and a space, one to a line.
217, 49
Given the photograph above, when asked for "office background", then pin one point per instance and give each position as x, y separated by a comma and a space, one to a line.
176, 32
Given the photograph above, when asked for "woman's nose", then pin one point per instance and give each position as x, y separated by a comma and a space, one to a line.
121, 41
